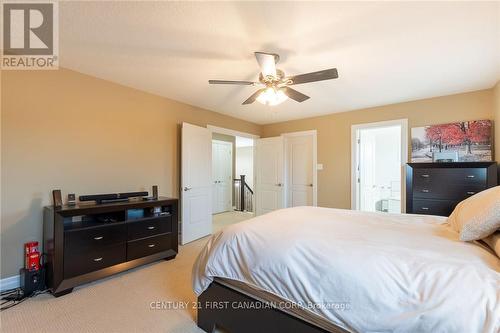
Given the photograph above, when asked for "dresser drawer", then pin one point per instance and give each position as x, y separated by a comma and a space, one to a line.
81, 262
446, 191
446, 176
147, 246
78, 240
433, 207
149, 227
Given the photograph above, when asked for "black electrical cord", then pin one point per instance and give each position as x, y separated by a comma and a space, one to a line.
17, 297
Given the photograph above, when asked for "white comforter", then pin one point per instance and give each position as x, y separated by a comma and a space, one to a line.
397, 273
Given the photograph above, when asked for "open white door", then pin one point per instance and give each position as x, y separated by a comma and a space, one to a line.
269, 174
196, 182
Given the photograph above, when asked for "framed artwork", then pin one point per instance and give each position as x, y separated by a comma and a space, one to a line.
467, 141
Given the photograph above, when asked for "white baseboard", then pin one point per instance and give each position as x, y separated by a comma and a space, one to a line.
10, 283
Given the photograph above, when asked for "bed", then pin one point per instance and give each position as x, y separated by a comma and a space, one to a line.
311, 269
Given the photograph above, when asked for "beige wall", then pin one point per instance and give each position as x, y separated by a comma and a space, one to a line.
62, 129
334, 134
496, 97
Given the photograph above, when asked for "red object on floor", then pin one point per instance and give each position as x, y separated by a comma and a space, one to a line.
32, 256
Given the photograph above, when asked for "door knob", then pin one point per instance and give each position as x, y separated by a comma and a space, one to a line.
187, 188
310, 185
279, 184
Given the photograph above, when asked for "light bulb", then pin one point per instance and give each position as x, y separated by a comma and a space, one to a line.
272, 96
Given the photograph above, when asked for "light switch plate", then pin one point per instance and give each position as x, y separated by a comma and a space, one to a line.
319, 166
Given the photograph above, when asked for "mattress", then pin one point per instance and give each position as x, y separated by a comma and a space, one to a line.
394, 272
281, 303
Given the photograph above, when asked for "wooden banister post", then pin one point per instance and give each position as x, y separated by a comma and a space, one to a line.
242, 192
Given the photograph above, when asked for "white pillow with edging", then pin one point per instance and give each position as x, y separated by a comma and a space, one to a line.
478, 216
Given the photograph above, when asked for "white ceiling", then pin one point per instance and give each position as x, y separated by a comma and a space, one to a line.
385, 52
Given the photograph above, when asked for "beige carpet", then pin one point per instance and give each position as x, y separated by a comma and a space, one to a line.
121, 303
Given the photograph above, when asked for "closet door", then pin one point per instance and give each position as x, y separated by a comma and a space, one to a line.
215, 177
300, 165
226, 176
222, 162
269, 175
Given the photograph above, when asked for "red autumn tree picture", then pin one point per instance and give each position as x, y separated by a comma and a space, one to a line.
469, 140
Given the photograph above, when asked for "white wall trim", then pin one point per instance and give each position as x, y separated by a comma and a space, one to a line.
404, 156
314, 134
10, 283
227, 131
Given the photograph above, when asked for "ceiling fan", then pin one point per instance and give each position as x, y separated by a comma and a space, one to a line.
276, 86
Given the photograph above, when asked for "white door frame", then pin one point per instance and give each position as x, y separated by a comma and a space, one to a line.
228, 131
354, 157
226, 143
314, 134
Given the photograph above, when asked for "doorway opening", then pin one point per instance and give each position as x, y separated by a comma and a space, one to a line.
232, 178
379, 153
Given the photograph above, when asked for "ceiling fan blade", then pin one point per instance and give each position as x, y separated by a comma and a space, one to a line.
267, 63
245, 83
326, 74
252, 98
294, 94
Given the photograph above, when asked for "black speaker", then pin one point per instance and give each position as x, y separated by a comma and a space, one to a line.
56, 196
155, 192
32, 281
101, 198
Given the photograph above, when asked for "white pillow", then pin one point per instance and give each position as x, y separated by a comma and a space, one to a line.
478, 216
493, 242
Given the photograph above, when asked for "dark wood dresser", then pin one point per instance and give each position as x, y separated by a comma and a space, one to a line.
88, 242
436, 188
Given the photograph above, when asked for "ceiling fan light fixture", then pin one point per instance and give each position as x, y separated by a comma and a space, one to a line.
272, 96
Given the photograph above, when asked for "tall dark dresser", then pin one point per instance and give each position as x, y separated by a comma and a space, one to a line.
436, 188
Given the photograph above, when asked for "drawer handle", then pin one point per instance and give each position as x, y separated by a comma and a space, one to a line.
151, 228
151, 245
471, 176
425, 191
98, 237
425, 208
471, 193
425, 176
98, 259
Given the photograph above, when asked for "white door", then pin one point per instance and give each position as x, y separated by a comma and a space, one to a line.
196, 182
269, 174
222, 176
300, 170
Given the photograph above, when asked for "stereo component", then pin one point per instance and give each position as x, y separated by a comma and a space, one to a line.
108, 198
